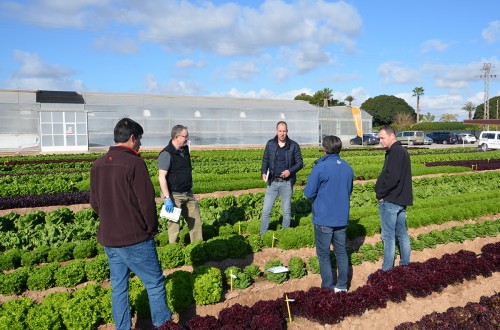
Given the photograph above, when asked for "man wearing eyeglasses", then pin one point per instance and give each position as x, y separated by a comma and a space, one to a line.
176, 184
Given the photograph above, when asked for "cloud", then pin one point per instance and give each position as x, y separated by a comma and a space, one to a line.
34, 73
59, 14
309, 29
395, 72
173, 87
281, 74
434, 45
491, 34
457, 76
117, 45
309, 56
244, 71
188, 63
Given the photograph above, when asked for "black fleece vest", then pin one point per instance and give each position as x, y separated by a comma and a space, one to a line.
179, 176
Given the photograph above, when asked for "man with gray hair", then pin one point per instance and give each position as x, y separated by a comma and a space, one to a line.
330, 186
176, 184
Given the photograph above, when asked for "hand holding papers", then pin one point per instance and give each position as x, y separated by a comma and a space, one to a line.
172, 216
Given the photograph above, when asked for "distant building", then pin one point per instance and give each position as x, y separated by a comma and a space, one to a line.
50, 121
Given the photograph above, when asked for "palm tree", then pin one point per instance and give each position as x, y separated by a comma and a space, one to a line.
327, 96
428, 118
417, 91
469, 107
349, 98
447, 117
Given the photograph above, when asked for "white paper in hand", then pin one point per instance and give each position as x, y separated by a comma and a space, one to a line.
172, 216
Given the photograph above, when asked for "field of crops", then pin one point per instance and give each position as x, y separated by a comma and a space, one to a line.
55, 275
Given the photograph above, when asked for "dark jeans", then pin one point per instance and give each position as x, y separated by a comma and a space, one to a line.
323, 238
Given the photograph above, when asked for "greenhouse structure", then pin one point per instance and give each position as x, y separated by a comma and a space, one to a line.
60, 121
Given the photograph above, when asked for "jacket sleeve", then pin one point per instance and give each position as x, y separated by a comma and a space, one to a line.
391, 175
297, 158
93, 192
144, 190
265, 160
312, 185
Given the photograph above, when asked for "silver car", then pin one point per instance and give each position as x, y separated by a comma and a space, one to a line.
428, 140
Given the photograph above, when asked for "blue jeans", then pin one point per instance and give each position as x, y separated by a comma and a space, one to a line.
323, 238
142, 259
393, 224
284, 189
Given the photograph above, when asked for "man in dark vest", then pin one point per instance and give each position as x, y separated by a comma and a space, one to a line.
176, 184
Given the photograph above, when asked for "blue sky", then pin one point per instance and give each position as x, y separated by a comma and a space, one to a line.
256, 49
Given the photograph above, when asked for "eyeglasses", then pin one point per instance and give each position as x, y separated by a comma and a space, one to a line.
184, 136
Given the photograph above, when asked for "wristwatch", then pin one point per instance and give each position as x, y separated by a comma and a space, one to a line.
166, 197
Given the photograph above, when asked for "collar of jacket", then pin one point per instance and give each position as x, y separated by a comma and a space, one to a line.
397, 143
325, 157
125, 149
287, 141
173, 149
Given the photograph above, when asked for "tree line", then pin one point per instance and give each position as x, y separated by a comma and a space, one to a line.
389, 109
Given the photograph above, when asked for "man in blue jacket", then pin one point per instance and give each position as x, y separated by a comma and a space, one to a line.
282, 160
330, 187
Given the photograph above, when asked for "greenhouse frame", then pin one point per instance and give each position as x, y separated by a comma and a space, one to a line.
62, 121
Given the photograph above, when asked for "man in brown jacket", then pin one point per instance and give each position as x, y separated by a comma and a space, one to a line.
122, 194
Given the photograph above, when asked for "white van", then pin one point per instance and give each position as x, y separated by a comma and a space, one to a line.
411, 137
489, 140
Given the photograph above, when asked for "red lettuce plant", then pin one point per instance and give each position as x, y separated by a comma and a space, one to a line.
208, 322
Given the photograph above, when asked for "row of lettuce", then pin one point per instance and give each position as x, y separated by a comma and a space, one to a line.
89, 306
436, 201
43, 269
215, 172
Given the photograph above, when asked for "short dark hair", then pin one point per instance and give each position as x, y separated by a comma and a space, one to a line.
125, 128
282, 122
176, 130
332, 144
388, 129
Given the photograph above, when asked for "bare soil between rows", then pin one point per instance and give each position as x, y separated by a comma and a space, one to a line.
410, 310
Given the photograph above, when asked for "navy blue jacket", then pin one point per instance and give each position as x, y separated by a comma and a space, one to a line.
293, 158
394, 182
330, 187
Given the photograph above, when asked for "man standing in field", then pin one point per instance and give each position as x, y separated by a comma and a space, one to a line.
394, 193
330, 187
122, 194
176, 184
282, 160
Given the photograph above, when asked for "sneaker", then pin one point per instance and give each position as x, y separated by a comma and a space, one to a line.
339, 290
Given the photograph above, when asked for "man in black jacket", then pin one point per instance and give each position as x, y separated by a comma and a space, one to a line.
176, 184
282, 160
394, 193
122, 194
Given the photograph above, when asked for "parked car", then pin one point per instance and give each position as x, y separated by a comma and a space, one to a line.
489, 140
442, 137
368, 139
428, 140
375, 133
411, 137
468, 138
458, 138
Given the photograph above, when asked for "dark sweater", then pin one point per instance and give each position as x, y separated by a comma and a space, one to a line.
123, 196
394, 182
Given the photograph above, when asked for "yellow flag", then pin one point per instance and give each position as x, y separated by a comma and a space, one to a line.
356, 115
